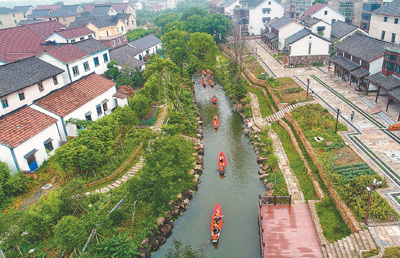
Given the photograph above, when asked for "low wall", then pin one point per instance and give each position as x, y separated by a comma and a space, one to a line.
307, 60
345, 212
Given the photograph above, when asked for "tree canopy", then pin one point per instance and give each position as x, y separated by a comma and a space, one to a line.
203, 49
175, 44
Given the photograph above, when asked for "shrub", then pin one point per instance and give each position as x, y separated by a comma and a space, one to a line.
392, 252
292, 90
117, 246
263, 76
68, 233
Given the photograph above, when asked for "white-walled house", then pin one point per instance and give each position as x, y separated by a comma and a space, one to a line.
26, 80
324, 12
282, 29
128, 55
89, 98
384, 24
317, 26
306, 47
262, 13
79, 59
148, 45
27, 138
71, 35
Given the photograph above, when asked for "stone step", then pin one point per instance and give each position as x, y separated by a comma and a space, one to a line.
324, 252
347, 247
393, 235
370, 239
341, 248
355, 243
364, 240
351, 246
338, 250
333, 250
115, 185
375, 236
381, 236
359, 241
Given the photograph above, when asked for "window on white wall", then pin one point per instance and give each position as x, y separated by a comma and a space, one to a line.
105, 57
90, 37
55, 81
48, 144
104, 103
96, 61
21, 96
99, 111
86, 66
88, 116
4, 103
75, 70
40, 86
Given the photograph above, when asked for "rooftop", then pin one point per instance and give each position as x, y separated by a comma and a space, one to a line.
309, 21
22, 8
298, 35
4, 10
280, 22
63, 12
53, 7
313, 9
74, 32
125, 55
388, 82
40, 13
76, 94
392, 8
44, 29
363, 47
22, 124
100, 10
23, 73
145, 42
116, 6
341, 29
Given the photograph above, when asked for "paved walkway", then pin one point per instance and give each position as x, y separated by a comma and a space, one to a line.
291, 181
367, 135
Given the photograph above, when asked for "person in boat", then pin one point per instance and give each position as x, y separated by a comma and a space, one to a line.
216, 229
217, 217
215, 117
221, 162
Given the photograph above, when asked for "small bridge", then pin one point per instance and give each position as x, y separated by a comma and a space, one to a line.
286, 230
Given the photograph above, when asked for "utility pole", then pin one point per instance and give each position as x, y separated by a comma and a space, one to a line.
370, 189
337, 119
308, 85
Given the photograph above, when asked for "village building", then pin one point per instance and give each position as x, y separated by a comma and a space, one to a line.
11, 17
147, 45
128, 55
317, 26
342, 30
385, 24
324, 13
279, 31
71, 35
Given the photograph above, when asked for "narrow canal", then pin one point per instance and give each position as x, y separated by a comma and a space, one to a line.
237, 192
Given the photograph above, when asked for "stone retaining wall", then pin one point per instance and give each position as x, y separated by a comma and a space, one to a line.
307, 60
345, 212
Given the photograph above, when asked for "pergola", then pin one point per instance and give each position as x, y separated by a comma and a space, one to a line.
390, 84
344, 66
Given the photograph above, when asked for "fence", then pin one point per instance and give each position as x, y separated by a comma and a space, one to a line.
266, 200
118, 171
151, 120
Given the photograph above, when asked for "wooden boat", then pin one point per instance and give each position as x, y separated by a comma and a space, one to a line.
217, 213
216, 123
214, 99
221, 165
203, 82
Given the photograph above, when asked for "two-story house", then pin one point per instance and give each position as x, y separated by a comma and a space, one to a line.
64, 15
279, 31
71, 35
128, 55
136, 4
387, 81
52, 7
45, 28
147, 45
357, 57
255, 14
78, 59
89, 98
306, 47
342, 30
11, 17
317, 26
324, 12
385, 24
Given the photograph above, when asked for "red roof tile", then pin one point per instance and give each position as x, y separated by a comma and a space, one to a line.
74, 95
120, 95
53, 7
45, 29
22, 124
67, 53
19, 42
313, 9
215, 2
74, 32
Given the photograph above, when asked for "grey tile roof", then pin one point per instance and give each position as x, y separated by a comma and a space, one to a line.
298, 35
4, 10
90, 46
341, 29
309, 21
105, 21
145, 42
363, 47
227, 3
344, 62
24, 22
359, 72
387, 82
269, 35
392, 8
40, 13
123, 16
281, 22
268, 24
23, 73
73, 7
63, 12
100, 10
22, 8
125, 55
83, 20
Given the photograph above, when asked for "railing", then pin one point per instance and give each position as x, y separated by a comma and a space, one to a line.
262, 242
269, 200
150, 121
118, 171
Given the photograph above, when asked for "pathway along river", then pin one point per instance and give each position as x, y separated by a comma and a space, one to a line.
237, 192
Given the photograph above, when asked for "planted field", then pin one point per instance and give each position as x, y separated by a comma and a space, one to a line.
349, 172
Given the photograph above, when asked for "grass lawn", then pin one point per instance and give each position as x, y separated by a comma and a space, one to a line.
288, 91
331, 221
253, 66
263, 103
296, 163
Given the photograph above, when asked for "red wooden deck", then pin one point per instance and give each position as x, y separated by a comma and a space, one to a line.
288, 231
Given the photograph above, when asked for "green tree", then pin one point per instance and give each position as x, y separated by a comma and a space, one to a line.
193, 11
218, 26
175, 44
152, 88
4, 176
159, 65
69, 233
195, 23
175, 25
138, 79
113, 70
140, 104
125, 76
117, 246
163, 19
203, 48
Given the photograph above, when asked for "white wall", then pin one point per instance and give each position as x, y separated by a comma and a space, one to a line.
287, 31
377, 25
7, 157
152, 50
229, 9
37, 142
327, 31
90, 59
256, 24
331, 14
318, 46
31, 93
59, 39
376, 65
